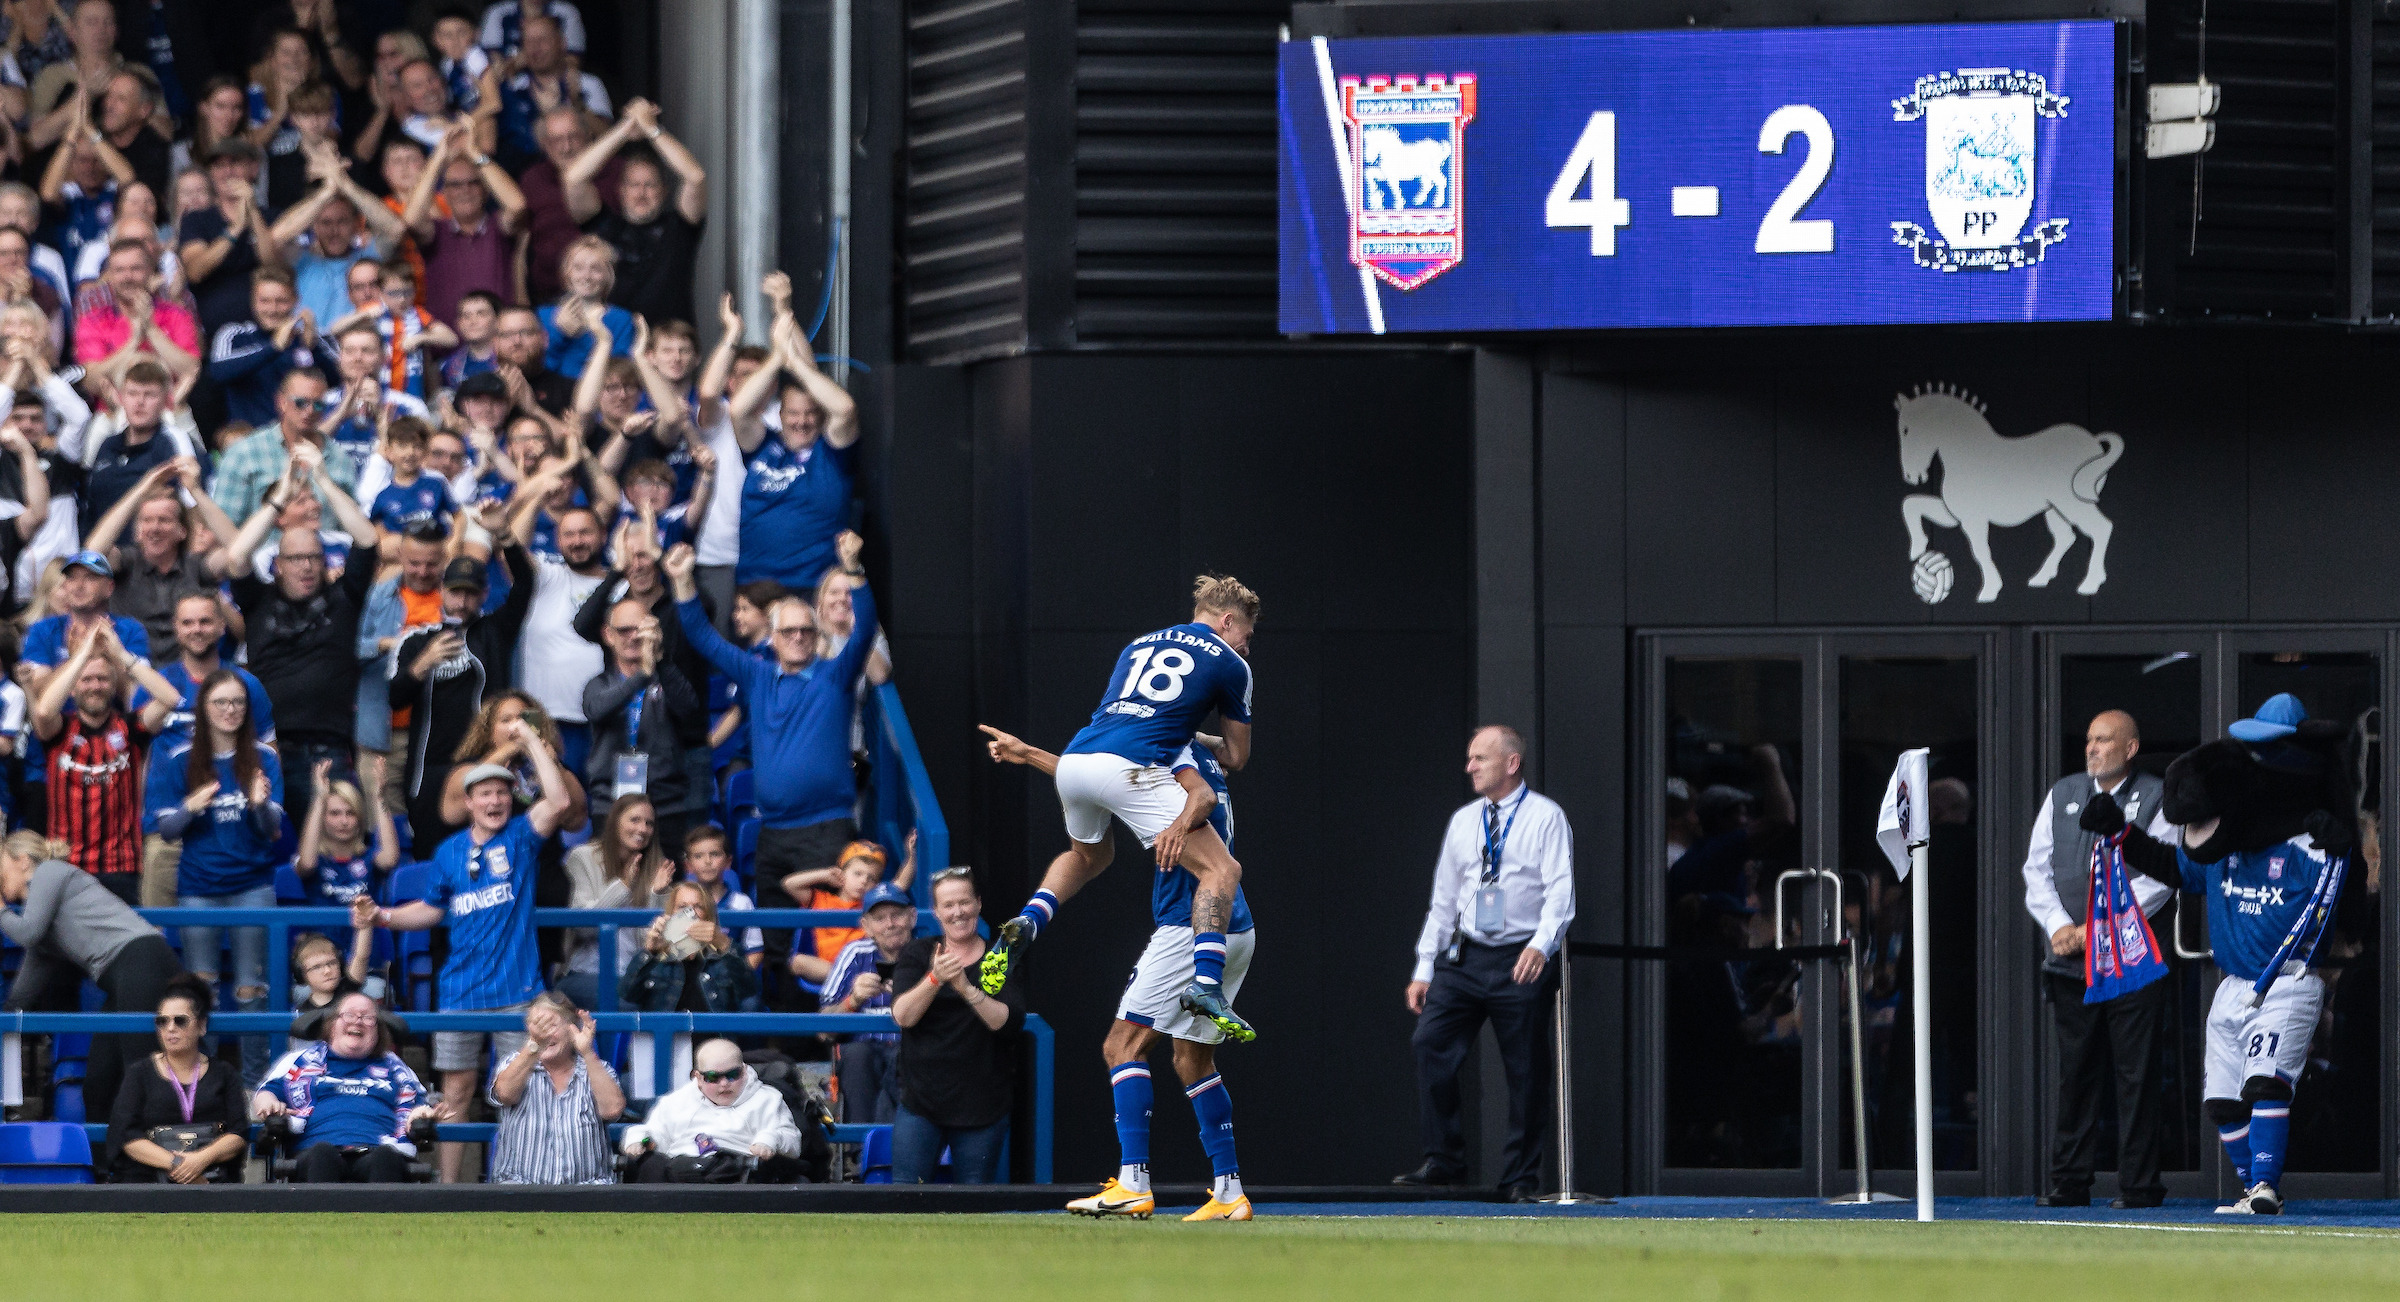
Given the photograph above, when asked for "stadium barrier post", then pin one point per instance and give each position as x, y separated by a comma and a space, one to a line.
1564, 1049
1921, 983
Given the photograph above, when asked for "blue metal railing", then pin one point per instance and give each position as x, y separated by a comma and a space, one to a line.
901, 795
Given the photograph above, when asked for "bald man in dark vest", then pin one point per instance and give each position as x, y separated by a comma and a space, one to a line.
2117, 1038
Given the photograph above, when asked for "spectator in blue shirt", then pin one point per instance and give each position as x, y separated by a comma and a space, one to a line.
85, 586
796, 484
799, 718
222, 796
860, 982
354, 1098
248, 359
482, 891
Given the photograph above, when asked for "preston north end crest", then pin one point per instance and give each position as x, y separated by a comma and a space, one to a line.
1408, 144
1980, 174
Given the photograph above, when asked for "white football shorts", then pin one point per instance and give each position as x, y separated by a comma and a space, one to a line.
1153, 994
1092, 788
2269, 1040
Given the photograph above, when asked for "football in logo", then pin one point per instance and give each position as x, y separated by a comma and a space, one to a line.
1407, 156
1932, 578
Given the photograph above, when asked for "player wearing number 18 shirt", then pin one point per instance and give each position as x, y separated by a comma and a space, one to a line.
1164, 686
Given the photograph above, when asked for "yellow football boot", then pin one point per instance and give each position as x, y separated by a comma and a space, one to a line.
1212, 1210
1116, 1200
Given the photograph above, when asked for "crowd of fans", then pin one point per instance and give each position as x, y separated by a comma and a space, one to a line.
371, 501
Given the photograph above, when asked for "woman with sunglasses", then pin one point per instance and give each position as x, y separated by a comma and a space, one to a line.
957, 1045
223, 799
151, 1128
74, 928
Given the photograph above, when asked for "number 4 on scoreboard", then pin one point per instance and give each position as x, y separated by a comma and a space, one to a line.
1596, 154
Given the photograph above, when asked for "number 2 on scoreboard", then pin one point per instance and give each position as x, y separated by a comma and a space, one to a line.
1781, 231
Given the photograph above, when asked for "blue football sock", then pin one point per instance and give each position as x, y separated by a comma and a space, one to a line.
2270, 1138
2237, 1150
1214, 1107
1208, 958
1039, 910
1130, 1084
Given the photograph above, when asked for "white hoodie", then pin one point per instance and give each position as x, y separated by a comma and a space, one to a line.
678, 1120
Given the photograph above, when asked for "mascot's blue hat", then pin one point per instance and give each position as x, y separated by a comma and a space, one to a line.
2280, 717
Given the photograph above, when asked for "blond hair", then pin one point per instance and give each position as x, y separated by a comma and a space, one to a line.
1224, 594
35, 846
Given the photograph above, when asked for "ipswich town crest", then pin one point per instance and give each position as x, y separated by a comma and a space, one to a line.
1979, 169
1408, 144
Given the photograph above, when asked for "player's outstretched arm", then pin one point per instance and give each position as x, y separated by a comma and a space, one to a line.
1006, 749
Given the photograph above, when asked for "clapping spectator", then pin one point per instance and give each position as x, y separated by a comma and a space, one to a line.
365, 399
521, 342
128, 101
555, 1098
869, 1062
93, 747
662, 201
491, 739
220, 244
249, 358
957, 1060
199, 632
254, 465
564, 133
139, 219
796, 482
473, 246
636, 709
158, 569
321, 236
222, 797
26, 288
620, 868
483, 891
57, 97
689, 962
86, 584
584, 326
724, 1106
353, 1098
540, 77
179, 1116
218, 119
338, 861
131, 324
21, 209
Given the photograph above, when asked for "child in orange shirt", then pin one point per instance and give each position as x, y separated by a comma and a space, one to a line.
861, 866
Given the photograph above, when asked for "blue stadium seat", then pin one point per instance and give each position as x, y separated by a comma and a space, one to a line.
412, 951
745, 854
66, 1102
875, 1157
741, 797
289, 889
45, 1152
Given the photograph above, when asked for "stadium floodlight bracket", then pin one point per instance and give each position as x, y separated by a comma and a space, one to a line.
2179, 118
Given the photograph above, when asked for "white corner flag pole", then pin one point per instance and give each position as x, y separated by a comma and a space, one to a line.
1902, 829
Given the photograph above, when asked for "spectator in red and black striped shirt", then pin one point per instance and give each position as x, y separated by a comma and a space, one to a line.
94, 754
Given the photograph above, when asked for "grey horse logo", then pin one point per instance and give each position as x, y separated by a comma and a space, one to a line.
1987, 480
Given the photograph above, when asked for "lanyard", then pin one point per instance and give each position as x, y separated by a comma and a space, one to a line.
633, 719
188, 1099
1494, 844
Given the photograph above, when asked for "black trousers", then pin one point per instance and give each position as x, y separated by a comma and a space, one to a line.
783, 851
2098, 1043
1479, 988
333, 1164
135, 980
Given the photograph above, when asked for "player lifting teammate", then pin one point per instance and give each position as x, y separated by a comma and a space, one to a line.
1151, 1006
1165, 683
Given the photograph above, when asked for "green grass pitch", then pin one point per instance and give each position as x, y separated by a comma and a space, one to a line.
1053, 1258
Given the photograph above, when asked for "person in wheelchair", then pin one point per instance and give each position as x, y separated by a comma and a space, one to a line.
717, 1128
178, 1118
348, 1099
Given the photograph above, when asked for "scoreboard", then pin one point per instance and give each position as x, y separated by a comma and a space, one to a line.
1775, 177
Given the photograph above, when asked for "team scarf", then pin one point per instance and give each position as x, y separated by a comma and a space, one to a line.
2120, 953
2308, 930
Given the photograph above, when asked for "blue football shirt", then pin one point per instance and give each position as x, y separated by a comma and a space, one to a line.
488, 891
2254, 897
1171, 892
1164, 685
794, 504
403, 505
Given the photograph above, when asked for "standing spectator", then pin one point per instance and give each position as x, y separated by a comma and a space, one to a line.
477, 323
1501, 907
27, 289
133, 325
409, 332
707, 856
220, 248
400, 604
855, 874
504, 25
473, 247
85, 587
255, 464
564, 133
543, 78
656, 227
555, 1098
36, 35
558, 663
622, 867
138, 220
411, 498
80, 189
249, 358
301, 630
24, 487
636, 709
638, 578
725, 1106
353, 1096
177, 1087
2115, 1039
69, 926
218, 120
158, 569
482, 889
359, 408
796, 486
957, 1061
583, 326
869, 1062
127, 101
222, 797
521, 343
298, 145
688, 962
320, 236
444, 675
94, 754
338, 861
53, 98
799, 716
199, 631
135, 441
490, 740
21, 210
462, 58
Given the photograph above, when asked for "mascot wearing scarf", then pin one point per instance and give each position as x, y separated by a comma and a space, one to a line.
2269, 822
